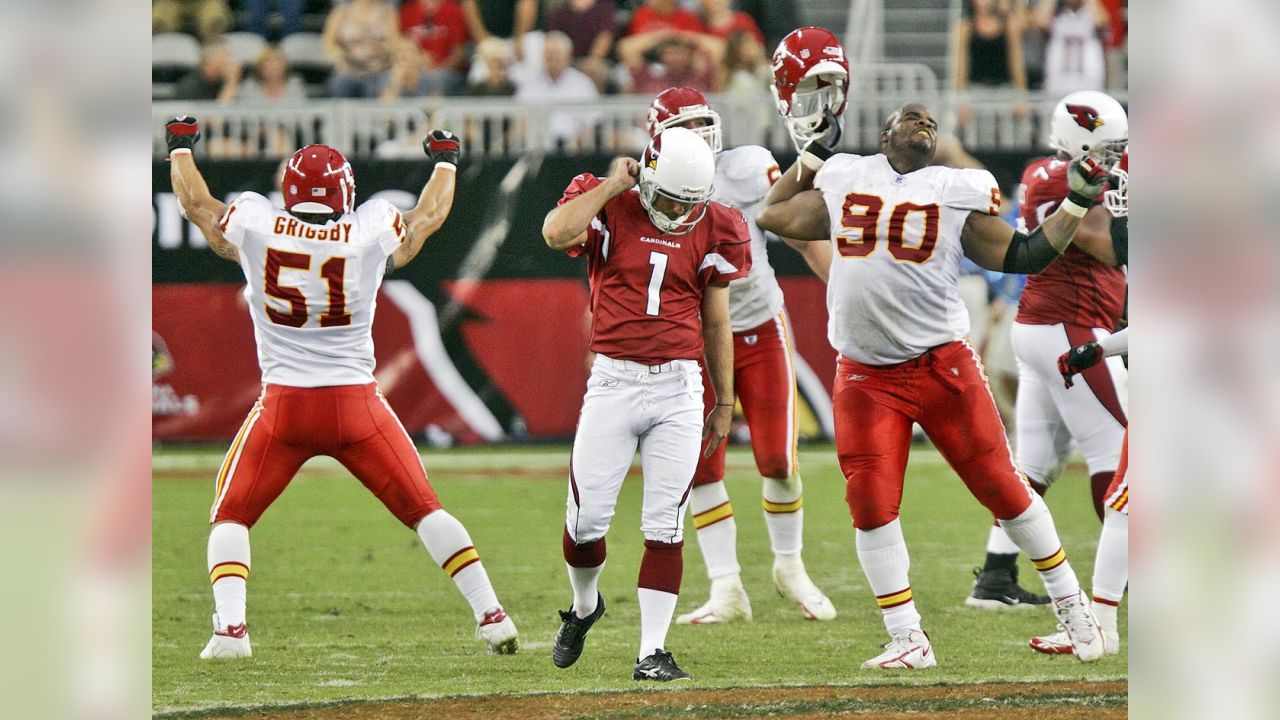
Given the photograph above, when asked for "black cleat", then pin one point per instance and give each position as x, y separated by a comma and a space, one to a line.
573, 634
997, 588
659, 666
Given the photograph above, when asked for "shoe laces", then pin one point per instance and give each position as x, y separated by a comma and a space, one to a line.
1073, 618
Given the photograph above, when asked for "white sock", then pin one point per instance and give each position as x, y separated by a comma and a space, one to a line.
883, 555
450, 547
228, 560
784, 514
1106, 614
656, 609
999, 543
585, 592
1035, 535
1111, 567
717, 530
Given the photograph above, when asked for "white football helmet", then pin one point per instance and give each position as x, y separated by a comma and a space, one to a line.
679, 165
1084, 119
1117, 198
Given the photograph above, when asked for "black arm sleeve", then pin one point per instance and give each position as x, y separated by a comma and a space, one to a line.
1120, 239
1029, 253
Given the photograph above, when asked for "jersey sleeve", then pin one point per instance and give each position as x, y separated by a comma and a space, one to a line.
382, 224
971, 189
730, 255
752, 172
248, 209
579, 185
833, 173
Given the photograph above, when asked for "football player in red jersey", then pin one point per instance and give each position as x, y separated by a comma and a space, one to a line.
660, 256
1077, 299
764, 379
312, 271
899, 229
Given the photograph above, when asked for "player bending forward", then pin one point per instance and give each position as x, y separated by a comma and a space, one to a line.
765, 384
1111, 565
660, 259
1077, 299
313, 271
899, 228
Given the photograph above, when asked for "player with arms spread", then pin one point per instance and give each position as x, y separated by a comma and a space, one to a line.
660, 259
313, 270
899, 228
1076, 300
764, 380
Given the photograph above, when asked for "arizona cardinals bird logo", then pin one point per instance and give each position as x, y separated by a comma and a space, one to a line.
1085, 116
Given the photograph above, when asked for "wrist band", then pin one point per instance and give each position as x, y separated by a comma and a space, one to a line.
175, 151
724, 404
447, 166
1070, 207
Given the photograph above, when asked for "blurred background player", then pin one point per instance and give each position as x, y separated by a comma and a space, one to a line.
899, 228
763, 379
660, 259
313, 270
1077, 299
1111, 566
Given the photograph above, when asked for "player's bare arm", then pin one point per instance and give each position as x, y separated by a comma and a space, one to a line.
717, 341
817, 255
566, 225
995, 245
801, 216
1094, 237
197, 203
436, 199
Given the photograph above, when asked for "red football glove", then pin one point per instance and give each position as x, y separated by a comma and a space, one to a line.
1078, 359
182, 132
442, 146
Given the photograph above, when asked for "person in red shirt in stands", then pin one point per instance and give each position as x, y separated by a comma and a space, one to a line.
721, 20
439, 28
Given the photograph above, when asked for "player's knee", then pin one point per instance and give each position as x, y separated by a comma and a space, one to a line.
868, 517
704, 476
775, 467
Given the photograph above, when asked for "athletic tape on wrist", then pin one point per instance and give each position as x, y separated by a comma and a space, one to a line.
176, 151
1071, 208
447, 166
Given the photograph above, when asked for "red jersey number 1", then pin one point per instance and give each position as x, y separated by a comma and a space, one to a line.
659, 262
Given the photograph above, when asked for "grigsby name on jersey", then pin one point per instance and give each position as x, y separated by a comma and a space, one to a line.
646, 285
892, 292
312, 289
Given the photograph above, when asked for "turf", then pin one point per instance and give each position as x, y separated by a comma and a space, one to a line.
344, 603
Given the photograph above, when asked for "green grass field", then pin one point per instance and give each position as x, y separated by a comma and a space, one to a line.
345, 604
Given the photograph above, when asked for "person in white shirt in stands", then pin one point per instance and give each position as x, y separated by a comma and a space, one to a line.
560, 81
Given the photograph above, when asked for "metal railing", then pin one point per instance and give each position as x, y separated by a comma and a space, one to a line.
502, 127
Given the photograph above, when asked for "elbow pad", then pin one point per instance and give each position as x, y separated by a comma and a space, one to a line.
1120, 239
1029, 253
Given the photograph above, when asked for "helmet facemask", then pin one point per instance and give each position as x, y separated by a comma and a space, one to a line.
695, 197
709, 132
815, 102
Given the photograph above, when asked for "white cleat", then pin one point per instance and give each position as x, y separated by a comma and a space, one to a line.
907, 650
227, 643
793, 583
498, 633
1059, 644
728, 603
1081, 627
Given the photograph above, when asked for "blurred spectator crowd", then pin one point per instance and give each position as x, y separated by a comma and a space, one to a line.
265, 51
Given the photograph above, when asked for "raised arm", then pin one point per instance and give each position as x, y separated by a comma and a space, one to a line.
197, 203
436, 199
717, 341
993, 244
817, 255
793, 209
566, 225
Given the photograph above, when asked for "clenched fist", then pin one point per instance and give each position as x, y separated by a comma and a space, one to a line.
182, 132
442, 146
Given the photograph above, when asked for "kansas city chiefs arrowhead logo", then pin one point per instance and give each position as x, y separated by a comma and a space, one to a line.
1085, 116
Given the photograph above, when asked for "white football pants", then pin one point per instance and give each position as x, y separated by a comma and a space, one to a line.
627, 404
1049, 414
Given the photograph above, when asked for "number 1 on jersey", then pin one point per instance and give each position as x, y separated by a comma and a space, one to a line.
659, 262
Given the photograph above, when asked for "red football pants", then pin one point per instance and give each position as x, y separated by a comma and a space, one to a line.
943, 390
290, 425
765, 383
1118, 493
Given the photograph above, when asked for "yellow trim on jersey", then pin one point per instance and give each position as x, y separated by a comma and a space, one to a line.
714, 515
234, 452
790, 507
795, 392
461, 559
1050, 562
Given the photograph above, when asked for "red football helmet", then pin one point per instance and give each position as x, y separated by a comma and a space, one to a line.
810, 80
318, 179
675, 106
1117, 198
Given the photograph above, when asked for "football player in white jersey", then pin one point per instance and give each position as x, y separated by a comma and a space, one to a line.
764, 381
313, 270
899, 228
